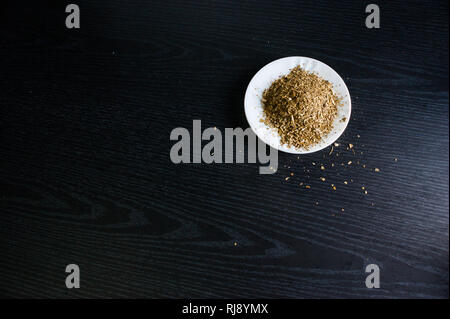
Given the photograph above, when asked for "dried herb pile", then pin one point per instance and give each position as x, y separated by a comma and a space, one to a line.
301, 106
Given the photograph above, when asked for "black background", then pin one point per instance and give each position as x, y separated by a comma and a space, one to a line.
86, 177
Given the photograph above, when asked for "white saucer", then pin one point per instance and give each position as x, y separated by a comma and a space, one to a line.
272, 71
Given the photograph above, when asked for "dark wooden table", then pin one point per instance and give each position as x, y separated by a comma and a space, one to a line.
86, 176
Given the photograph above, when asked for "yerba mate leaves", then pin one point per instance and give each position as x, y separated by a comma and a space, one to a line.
301, 106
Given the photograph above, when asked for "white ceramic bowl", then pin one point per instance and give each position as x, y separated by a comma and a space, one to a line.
274, 70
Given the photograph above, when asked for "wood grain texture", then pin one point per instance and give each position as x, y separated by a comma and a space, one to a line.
86, 177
